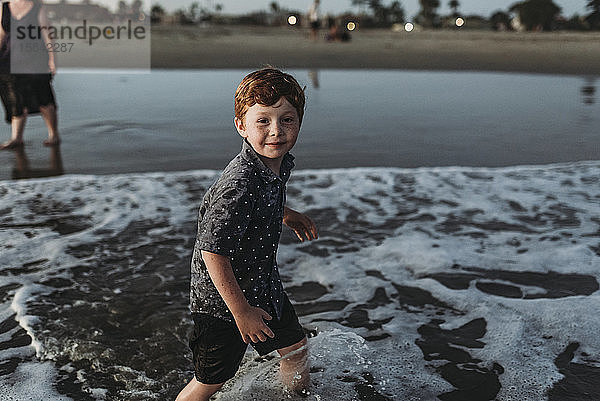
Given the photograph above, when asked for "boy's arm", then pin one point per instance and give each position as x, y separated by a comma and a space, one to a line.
248, 318
300, 223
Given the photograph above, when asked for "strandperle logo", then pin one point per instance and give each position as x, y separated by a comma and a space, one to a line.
89, 42
84, 31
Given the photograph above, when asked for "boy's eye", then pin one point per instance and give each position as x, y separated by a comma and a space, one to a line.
288, 120
263, 121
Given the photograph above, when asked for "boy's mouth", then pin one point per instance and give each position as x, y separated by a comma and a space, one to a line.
275, 144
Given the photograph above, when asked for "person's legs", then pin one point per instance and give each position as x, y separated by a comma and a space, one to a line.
17, 128
295, 368
196, 391
49, 115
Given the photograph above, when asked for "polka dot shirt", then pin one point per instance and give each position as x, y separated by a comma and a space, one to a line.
241, 217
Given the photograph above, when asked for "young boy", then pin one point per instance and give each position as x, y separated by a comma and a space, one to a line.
236, 293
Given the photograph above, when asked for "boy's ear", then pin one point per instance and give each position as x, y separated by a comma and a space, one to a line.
239, 125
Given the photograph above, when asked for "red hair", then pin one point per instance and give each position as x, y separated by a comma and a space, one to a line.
266, 87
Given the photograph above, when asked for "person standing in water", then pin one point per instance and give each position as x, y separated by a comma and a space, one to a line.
28, 89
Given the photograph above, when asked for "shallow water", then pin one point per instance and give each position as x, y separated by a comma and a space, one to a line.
182, 120
446, 283
428, 283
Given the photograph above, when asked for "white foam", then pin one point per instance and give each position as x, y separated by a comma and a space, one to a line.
19, 306
335, 353
382, 213
32, 381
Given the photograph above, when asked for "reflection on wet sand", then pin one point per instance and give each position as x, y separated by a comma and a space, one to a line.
314, 78
588, 91
22, 169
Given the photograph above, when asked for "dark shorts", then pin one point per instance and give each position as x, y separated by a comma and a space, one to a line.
315, 25
22, 92
218, 348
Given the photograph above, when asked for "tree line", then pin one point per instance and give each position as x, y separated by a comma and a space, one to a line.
526, 14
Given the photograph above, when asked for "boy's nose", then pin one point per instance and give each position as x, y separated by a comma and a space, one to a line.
276, 129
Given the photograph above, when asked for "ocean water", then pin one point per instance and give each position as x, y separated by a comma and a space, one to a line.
183, 120
449, 283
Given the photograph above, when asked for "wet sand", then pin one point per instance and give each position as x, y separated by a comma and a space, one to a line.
250, 47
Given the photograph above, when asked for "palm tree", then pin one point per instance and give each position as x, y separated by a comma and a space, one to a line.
535, 14
428, 13
454, 4
361, 4
136, 7
594, 18
500, 20
379, 11
194, 12
274, 7
123, 8
396, 12
594, 5
157, 13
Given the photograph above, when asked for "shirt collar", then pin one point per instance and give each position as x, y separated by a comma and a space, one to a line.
287, 163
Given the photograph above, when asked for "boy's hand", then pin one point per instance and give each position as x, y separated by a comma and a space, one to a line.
300, 223
251, 325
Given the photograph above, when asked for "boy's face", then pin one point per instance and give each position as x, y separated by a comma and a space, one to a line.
271, 130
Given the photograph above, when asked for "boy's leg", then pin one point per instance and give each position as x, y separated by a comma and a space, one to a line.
196, 391
295, 368
218, 350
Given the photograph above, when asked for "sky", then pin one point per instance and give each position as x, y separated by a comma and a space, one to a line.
411, 7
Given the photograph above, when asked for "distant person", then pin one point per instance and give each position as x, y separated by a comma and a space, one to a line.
337, 33
27, 90
236, 294
314, 19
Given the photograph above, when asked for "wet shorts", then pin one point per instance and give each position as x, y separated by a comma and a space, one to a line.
218, 348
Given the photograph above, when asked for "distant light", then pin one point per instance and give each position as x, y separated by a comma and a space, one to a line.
408, 27
460, 22
292, 20
142, 17
351, 26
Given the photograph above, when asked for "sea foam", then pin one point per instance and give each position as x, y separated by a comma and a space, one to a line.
421, 279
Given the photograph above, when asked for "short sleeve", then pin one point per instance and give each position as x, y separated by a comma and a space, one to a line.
225, 219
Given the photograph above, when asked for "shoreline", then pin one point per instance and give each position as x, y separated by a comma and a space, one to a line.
235, 47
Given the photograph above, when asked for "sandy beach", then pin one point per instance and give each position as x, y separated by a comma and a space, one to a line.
250, 47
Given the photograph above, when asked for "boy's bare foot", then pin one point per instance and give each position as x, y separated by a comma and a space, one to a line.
13, 144
52, 142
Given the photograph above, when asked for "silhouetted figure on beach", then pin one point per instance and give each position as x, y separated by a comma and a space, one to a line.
314, 19
26, 88
337, 34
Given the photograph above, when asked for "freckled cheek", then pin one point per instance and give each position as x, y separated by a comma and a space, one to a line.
261, 132
291, 129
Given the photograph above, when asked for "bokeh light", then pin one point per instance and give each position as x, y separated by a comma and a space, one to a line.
408, 27
460, 22
292, 20
351, 26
